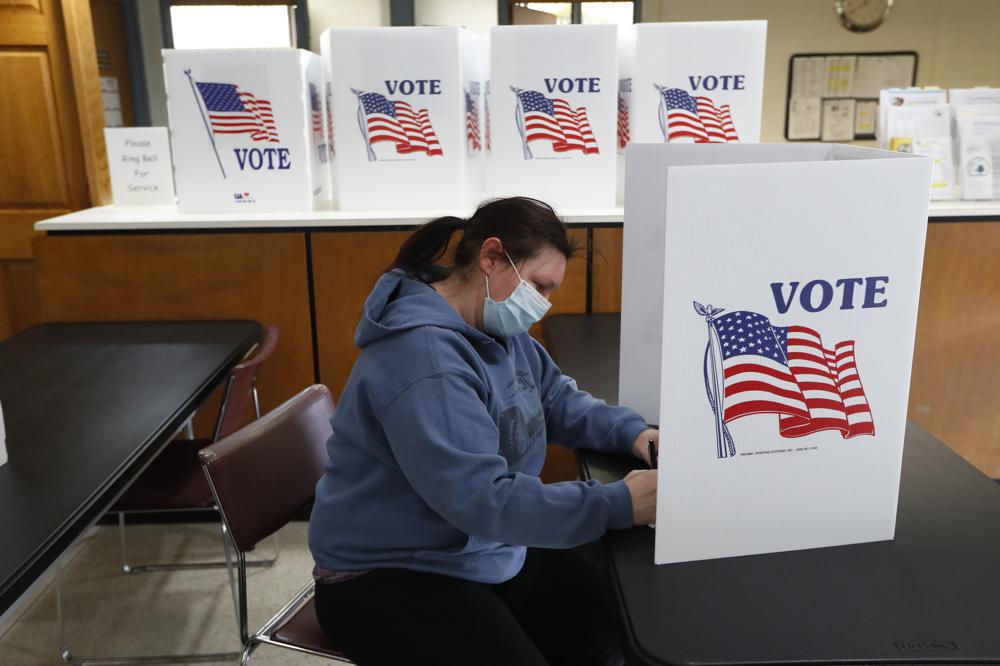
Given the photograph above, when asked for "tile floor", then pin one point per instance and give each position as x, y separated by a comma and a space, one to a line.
110, 613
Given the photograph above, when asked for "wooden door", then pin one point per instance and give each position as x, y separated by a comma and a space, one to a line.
51, 139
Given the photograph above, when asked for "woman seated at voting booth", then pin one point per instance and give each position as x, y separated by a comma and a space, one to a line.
434, 538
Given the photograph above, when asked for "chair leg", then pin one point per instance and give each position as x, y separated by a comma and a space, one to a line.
182, 566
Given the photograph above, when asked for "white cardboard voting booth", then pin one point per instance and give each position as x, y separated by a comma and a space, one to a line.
406, 113
553, 106
691, 82
767, 327
246, 126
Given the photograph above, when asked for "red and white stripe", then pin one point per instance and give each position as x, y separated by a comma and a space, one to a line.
410, 130
570, 130
711, 125
257, 120
830, 384
623, 136
757, 385
472, 131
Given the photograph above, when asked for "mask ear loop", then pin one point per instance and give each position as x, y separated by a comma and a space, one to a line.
516, 272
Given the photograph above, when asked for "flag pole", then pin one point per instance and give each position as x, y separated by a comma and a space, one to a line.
662, 115
363, 126
714, 383
519, 115
208, 129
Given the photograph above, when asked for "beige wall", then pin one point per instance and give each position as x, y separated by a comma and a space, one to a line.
958, 41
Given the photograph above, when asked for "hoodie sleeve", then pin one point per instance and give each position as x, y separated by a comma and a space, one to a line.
447, 446
576, 419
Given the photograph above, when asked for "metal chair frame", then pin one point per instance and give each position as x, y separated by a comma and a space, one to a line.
213, 564
185, 658
264, 635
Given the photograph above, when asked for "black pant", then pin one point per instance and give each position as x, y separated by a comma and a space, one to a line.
558, 610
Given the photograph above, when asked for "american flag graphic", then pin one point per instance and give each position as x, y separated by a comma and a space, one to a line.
235, 111
684, 118
555, 120
316, 111
486, 123
788, 371
397, 122
472, 138
623, 137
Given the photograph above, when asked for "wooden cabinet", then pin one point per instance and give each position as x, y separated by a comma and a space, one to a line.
260, 276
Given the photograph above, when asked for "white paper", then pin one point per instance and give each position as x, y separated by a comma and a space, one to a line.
808, 76
111, 100
839, 76
838, 120
939, 149
873, 73
804, 115
894, 98
979, 154
864, 117
140, 165
728, 233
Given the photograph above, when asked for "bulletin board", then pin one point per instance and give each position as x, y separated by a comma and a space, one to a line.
834, 96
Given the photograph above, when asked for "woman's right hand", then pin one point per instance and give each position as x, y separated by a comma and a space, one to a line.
641, 485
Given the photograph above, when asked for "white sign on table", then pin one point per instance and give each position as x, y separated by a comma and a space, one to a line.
139, 161
769, 304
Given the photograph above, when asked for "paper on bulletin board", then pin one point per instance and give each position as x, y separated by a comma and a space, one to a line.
808, 77
804, 115
840, 76
864, 117
874, 73
112, 102
753, 312
838, 120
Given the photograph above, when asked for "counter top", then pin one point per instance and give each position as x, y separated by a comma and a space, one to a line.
163, 218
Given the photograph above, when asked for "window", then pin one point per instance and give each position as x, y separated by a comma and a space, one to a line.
202, 26
565, 13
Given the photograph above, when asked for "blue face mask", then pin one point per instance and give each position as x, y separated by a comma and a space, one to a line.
524, 307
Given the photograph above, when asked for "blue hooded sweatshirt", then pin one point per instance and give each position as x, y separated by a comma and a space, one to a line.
438, 442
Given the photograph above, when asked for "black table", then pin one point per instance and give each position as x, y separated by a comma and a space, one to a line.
87, 407
932, 594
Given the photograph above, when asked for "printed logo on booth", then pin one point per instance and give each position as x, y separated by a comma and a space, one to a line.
752, 366
398, 122
233, 114
545, 118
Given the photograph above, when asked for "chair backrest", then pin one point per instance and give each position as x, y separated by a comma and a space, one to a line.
240, 400
264, 472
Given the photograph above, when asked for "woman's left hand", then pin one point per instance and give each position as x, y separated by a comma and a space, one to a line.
640, 447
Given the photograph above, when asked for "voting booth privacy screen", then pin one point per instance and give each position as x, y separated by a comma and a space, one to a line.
692, 82
247, 129
767, 327
552, 113
406, 116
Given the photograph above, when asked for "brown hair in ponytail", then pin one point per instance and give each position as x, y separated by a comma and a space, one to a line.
524, 226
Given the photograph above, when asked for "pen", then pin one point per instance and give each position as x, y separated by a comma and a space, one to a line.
652, 454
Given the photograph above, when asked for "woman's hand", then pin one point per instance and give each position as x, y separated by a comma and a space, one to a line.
640, 447
642, 487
